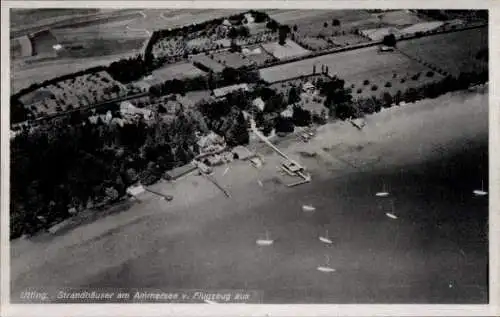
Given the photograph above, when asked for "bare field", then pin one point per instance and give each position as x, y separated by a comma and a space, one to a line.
452, 52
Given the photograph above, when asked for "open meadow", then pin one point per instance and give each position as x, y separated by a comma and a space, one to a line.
356, 68
288, 50
451, 52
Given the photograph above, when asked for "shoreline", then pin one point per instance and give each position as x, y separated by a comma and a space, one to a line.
377, 146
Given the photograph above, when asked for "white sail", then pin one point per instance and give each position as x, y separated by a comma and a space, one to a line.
308, 208
266, 241
391, 215
325, 238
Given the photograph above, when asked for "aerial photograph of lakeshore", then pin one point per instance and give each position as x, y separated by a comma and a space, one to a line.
270, 156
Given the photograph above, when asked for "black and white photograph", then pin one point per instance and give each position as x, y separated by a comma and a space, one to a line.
248, 155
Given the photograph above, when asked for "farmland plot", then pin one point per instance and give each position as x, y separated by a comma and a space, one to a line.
355, 67
451, 52
288, 50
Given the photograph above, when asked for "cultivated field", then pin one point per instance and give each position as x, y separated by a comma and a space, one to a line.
357, 66
288, 50
451, 52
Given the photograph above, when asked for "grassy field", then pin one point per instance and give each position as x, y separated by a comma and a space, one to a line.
357, 66
451, 52
290, 49
234, 60
24, 17
258, 55
422, 27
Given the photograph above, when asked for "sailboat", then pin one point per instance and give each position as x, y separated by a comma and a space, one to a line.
480, 192
308, 208
391, 214
325, 238
326, 268
382, 193
266, 241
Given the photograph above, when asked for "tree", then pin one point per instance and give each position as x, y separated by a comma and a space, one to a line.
293, 95
301, 117
325, 25
387, 98
335, 22
284, 125
295, 28
389, 40
234, 47
282, 35
232, 33
272, 25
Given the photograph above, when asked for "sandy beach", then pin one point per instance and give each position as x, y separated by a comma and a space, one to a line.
434, 252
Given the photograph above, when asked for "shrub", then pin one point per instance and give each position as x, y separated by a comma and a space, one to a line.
352, 86
366, 82
374, 87
394, 75
429, 74
402, 80
388, 84
416, 76
359, 90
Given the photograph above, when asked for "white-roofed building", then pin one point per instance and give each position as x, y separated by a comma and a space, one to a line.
223, 91
259, 103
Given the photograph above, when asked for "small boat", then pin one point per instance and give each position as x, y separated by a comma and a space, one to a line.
266, 241
308, 208
382, 193
260, 183
325, 238
326, 268
391, 215
480, 192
